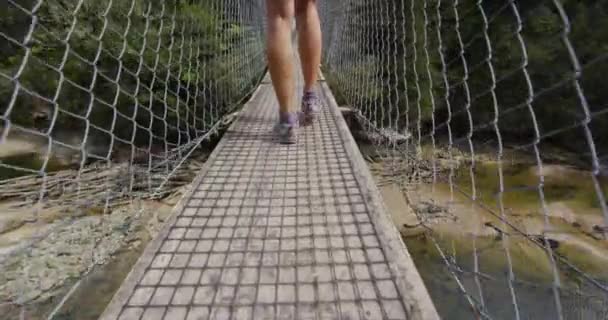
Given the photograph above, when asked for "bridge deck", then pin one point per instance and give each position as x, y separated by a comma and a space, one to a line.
277, 232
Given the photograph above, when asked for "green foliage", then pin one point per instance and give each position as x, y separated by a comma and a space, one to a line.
412, 80
132, 68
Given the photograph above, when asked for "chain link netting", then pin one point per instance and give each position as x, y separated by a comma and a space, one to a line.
490, 116
103, 104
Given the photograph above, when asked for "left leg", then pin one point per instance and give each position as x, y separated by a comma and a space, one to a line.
280, 64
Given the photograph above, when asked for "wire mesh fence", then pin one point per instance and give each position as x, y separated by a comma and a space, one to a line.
102, 105
491, 117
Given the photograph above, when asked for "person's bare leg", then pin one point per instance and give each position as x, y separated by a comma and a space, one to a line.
280, 64
309, 40
279, 51
309, 46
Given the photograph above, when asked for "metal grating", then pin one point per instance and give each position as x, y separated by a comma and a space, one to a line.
276, 232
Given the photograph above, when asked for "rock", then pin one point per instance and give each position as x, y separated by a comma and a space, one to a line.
19, 236
11, 223
561, 210
53, 214
429, 208
29, 296
553, 244
68, 251
71, 247
447, 164
47, 283
600, 231
135, 243
63, 254
498, 233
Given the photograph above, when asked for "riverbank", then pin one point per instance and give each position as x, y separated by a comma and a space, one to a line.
69, 249
85, 235
446, 232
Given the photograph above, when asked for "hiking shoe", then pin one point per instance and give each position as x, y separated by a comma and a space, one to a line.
311, 106
286, 129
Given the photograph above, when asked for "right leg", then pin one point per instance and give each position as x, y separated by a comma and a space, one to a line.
309, 44
309, 36
280, 55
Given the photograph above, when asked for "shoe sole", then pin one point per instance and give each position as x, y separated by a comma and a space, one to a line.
287, 142
308, 118
284, 140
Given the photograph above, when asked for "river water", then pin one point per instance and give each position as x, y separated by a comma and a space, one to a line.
531, 293
574, 210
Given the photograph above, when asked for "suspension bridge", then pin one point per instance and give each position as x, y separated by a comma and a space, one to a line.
465, 109
276, 232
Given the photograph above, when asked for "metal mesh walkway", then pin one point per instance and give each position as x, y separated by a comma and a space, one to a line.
277, 232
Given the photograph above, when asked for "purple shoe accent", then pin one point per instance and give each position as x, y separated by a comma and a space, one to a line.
289, 118
311, 106
286, 129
